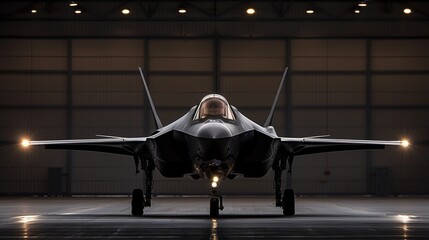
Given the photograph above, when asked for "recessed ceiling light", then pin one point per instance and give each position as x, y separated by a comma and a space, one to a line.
33, 11
362, 4
125, 11
182, 8
250, 11
407, 11
309, 11
73, 4
78, 11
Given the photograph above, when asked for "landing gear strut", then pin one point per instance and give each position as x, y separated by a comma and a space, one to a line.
287, 201
216, 202
141, 200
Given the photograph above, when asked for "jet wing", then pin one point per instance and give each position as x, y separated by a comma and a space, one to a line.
311, 145
118, 145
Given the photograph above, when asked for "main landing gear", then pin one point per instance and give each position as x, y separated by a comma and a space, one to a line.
137, 202
216, 201
287, 201
141, 200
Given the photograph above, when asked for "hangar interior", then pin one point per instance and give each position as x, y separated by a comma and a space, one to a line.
66, 75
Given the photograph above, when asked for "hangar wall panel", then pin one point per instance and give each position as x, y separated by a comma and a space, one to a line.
400, 90
329, 173
37, 89
120, 122
101, 173
107, 54
181, 55
328, 55
400, 54
106, 89
252, 55
33, 54
328, 89
340, 123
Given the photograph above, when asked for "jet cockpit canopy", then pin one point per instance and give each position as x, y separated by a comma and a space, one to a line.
215, 106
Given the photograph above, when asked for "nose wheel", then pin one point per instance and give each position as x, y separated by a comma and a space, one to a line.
214, 207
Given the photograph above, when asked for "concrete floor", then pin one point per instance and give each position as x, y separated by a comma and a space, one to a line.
187, 218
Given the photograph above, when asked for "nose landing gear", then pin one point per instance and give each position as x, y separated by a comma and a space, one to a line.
216, 201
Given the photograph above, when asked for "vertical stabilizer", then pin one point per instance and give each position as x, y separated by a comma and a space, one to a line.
273, 107
155, 114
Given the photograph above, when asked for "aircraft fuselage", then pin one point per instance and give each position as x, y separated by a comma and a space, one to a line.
214, 147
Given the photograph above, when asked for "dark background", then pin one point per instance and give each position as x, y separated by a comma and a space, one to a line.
64, 75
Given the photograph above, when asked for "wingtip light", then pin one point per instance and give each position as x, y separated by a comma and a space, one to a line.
25, 143
405, 143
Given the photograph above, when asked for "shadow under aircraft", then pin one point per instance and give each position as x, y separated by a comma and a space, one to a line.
213, 141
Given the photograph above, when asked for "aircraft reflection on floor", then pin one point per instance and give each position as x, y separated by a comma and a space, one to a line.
317, 217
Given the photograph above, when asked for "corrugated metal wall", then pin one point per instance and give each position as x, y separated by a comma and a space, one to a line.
349, 88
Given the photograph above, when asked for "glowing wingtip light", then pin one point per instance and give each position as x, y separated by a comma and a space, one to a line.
214, 184
405, 143
25, 143
250, 11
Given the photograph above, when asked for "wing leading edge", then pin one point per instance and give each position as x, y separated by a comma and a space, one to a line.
303, 146
118, 145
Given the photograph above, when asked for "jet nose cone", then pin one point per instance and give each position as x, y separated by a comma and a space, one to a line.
214, 130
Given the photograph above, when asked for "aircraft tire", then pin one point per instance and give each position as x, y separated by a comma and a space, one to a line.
137, 202
214, 207
289, 202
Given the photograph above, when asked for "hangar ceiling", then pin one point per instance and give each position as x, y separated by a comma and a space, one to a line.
216, 10
151, 18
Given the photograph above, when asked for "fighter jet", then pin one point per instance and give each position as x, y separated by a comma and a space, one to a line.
213, 141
